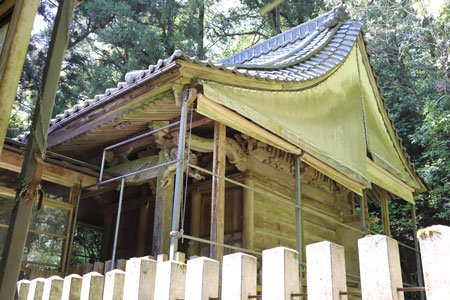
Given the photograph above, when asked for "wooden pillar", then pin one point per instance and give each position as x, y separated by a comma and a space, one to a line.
163, 210
106, 237
248, 222
362, 212
195, 221
142, 229
75, 195
218, 191
31, 173
13, 55
385, 213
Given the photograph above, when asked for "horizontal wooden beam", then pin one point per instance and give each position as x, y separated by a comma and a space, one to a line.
5, 7
196, 122
196, 71
334, 174
232, 119
7, 192
389, 182
12, 161
137, 165
11, 193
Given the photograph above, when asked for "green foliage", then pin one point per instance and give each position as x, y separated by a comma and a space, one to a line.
86, 245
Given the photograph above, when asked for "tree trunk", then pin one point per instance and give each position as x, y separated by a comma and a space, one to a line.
30, 176
201, 30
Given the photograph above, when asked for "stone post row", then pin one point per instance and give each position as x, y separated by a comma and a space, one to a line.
145, 278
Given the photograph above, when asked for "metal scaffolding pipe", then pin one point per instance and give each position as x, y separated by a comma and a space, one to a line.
178, 194
72, 230
129, 141
116, 233
142, 136
197, 239
299, 216
102, 166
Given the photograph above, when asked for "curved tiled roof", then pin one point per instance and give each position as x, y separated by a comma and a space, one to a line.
302, 53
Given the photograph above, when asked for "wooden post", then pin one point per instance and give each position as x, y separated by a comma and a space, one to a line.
108, 266
385, 213
163, 210
88, 268
218, 191
142, 229
75, 196
13, 55
248, 213
362, 212
195, 222
30, 175
106, 236
121, 264
99, 267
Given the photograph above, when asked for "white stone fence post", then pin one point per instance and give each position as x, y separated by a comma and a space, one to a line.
435, 252
145, 278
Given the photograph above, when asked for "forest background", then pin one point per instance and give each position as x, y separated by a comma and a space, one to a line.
408, 42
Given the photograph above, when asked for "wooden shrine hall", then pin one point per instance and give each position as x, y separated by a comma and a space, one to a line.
285, 143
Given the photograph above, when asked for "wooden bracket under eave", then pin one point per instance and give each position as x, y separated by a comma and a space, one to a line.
177, 90
191, 96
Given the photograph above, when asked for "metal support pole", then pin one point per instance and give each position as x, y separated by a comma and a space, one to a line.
299, 218
362, 207
416, 245
116, 233
178, 194
102, 166
72, 231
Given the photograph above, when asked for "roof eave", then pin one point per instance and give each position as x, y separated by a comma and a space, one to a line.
420, 188
59, 133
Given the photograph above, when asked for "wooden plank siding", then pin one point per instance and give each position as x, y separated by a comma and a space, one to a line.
275, 221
